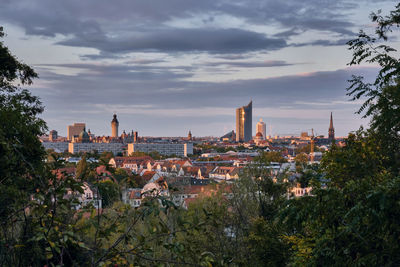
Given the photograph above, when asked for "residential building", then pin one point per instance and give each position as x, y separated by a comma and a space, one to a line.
244, 123
89, 196
225, 173
134, 164
299, 191
178, 149
132, 196
56, 146
99, 147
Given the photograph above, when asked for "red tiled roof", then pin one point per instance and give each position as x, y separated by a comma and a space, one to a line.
62, 171
121, 160
147, 175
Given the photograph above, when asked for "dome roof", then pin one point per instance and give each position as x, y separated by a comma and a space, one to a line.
84, 135
259, 134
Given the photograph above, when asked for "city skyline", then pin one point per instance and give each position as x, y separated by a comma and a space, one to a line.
78, 127
167, 68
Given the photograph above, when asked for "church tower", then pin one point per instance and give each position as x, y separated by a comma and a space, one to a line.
331, 131
114, 126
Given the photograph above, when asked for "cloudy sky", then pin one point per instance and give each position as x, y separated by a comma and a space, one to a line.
170, 66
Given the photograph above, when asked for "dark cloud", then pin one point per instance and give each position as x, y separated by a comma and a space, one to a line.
289, 33
248, 64
168, 87
115, 27
232, 56
322, 42
182, 40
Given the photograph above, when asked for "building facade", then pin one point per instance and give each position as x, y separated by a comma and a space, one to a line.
76, 129
99, 147
53, 135
56, 146
179, 149
244, 123
261, 128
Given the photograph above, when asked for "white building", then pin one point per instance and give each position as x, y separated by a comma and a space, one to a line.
89, 196
179, 149
298, 191
56, 146
132, 196
99, 147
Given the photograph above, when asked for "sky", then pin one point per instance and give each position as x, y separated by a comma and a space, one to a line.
169, 66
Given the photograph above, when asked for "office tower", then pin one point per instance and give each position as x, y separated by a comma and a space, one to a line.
261, 128
244, 123
76, 129
331, 131
53, 135
114, 126
135, 137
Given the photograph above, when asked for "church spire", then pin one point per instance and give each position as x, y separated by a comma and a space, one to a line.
331, 131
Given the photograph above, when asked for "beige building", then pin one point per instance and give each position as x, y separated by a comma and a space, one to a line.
261, 128
114, 126
75, 129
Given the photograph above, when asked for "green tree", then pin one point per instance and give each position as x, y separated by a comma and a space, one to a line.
82, 169
21, 153
382, 96
109, 192
350, 222
36, 220
273, 156
106, 156
301, 161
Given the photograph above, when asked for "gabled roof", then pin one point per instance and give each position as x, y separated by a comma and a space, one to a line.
119, 161
226, 170
148, 175
191, 170
182, 162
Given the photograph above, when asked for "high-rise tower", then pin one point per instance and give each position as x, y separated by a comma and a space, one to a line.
261, 128
75, 129
331, 131
244, 123
114, 126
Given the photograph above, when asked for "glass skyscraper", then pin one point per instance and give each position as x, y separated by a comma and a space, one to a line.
244, 123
